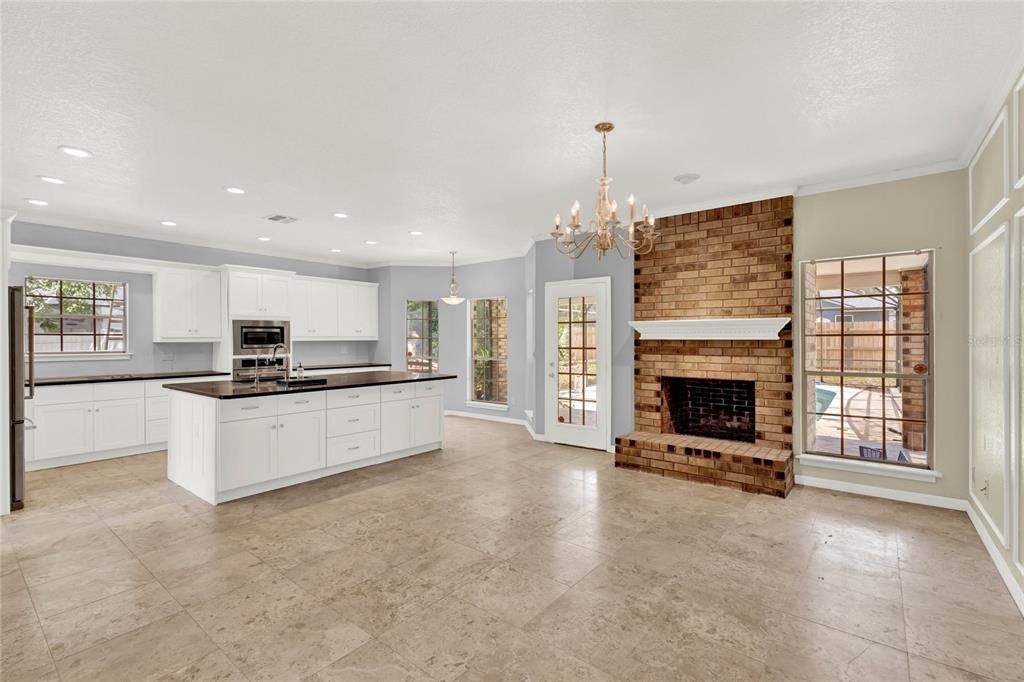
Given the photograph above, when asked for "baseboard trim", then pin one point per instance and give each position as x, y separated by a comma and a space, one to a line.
68, 460
994, 552
884, 493
486, 417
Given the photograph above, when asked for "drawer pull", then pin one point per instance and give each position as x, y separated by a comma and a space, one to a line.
301, 402
353, 395
251, 407
398, 391
353, 421
354, 447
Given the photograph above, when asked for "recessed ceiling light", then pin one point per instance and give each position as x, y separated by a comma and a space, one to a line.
38, 202
234, 190
76, 152
416, 233
52, 181
687, 178
335, 250
340, 215
369, 242
168, 223
263, 239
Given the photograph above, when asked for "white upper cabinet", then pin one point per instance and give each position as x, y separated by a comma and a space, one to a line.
314, 309
258, 295
186, 305
357, 310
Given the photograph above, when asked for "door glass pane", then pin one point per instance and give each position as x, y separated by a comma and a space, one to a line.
576, 362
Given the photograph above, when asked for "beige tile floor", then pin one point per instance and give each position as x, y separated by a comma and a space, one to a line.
496, 558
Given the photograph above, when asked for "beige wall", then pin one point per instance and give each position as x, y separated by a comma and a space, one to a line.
996, 194
920, 213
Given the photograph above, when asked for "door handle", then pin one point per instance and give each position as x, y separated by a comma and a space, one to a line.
30, 425
31, 352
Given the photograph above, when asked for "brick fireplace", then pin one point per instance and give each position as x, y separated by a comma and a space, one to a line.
730, 262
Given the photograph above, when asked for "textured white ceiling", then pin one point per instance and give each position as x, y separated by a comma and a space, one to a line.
469, 122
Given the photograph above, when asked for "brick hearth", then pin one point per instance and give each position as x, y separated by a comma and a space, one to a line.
735, 261
747, 467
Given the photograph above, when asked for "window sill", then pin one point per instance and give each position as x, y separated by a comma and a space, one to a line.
487, 406
82, 357
870, 468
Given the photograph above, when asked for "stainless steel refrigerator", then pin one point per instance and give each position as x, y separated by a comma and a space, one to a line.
22, 385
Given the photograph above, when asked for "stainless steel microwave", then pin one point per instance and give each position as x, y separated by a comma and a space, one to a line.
254, 337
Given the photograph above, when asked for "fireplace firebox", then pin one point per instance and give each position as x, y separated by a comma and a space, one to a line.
712, 408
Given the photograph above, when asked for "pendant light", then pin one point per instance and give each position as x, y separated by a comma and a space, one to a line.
453, 297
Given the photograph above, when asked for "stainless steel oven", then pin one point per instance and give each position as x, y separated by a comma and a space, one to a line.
258, 337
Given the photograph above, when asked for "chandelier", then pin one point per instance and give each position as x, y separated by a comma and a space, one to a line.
606, 231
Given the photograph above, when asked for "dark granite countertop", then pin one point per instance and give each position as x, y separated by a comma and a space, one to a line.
138, 376
350, 365
227, 390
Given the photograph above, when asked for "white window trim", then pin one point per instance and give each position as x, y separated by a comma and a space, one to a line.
871, 468
80, 357
499, 407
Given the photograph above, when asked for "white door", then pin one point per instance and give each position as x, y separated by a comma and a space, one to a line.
63, 430
275, 297
426, 421
244, 295
174, 308
206, 321
577, 362
119, 423
300, 443
323, 310
247, 452
396, 425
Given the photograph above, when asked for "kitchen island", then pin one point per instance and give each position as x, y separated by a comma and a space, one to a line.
228, 440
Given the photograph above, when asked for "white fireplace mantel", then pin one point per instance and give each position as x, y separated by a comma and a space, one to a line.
730, 328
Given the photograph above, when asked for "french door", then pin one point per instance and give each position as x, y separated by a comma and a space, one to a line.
577, 362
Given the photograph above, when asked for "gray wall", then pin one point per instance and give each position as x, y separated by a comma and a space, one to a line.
34, 234
153, 357
146, 356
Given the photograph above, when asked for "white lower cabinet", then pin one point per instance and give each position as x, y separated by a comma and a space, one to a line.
396, 435
410, 423
63, 430
300, 443
246, 452
119, 424
352, 448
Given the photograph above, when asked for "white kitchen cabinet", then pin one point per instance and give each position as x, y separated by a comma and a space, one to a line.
357, 310
314, 309
118, 423
426, 421
246, 452
300, 443
258, 295
63, 429
397, 429
186, 305
346, 449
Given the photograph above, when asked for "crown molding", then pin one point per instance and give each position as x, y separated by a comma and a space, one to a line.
879, 178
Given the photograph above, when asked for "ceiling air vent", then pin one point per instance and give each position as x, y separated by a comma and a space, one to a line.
278, 218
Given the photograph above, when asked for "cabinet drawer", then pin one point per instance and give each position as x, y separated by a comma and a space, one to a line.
154, 389
345, 420
397, 392
157, 408
156, 431
57, 395
301, 402
119, 390
344, 449
426, 389
247, 408
345, 397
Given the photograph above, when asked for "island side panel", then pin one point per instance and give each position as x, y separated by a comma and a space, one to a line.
192, 444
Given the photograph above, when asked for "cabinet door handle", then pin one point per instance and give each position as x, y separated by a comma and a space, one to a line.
251, 407
281, 425
353, 421
273, 427
354, 447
